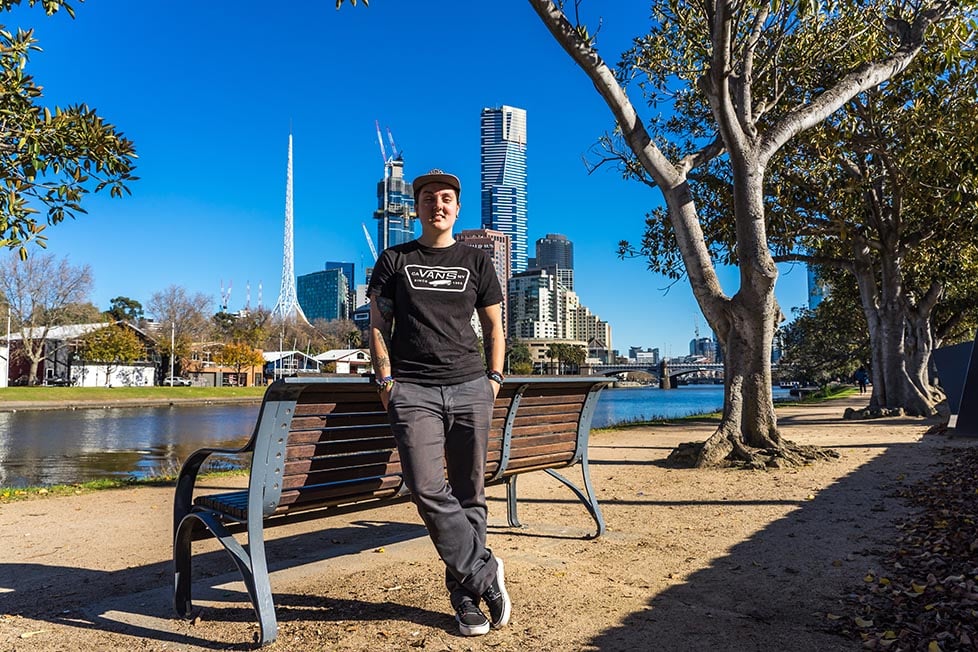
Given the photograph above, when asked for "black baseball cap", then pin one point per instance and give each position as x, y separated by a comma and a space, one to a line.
436, 176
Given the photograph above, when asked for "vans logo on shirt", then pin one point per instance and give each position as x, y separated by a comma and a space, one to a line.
438, 279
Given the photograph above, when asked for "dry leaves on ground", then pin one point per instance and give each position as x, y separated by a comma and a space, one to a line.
925, 596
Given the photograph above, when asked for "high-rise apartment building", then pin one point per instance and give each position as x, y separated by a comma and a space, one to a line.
556, 252
349, 271
503, 174
540, 307
534, 305
395, 213
323, 295
496, 244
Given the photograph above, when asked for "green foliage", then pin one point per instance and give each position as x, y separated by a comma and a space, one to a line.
51, 7
125, 309
239, 356
518, 357
49, 157
113, 344
565, 353
829, 342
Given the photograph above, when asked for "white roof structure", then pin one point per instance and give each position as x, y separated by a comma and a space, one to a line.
275, 356
71, 331
337, 355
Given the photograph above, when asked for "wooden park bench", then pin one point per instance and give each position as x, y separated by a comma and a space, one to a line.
323, 446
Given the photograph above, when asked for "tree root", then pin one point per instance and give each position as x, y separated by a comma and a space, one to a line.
786, 455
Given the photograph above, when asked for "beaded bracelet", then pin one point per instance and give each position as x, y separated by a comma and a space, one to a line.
385, 383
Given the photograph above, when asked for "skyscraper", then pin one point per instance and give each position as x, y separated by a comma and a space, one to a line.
395, 206
323, 295
556, 252
503, 173
349, 271
496, 244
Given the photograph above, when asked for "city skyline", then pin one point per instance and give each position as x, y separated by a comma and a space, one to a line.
210, 117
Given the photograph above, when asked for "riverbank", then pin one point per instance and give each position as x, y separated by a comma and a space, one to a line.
693, 559
13, 399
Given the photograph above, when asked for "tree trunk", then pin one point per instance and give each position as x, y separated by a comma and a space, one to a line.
899, 374
745, 324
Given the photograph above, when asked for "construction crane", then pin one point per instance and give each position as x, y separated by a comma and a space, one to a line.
380, 141
370, 242
395, 154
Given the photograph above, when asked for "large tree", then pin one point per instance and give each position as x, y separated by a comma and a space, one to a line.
50, 157
125, 309
182, 320
767, 71
239, 355
42, 292
888, 190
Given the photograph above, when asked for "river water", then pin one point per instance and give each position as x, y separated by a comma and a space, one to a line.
43, 447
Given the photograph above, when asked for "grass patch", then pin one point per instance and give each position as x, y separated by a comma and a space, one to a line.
85, 394
16, 494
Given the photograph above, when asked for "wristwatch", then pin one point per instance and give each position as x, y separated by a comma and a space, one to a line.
496, 376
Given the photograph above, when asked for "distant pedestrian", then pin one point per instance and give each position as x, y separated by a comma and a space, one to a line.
862, 379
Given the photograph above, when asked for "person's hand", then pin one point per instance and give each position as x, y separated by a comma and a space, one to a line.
495, 388
386, 386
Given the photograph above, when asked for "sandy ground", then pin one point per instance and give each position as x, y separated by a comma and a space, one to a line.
692, 560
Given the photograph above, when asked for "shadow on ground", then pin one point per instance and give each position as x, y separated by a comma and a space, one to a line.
773, 590
142, 594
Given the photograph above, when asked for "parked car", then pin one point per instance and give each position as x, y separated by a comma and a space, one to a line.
58, 381
177, 381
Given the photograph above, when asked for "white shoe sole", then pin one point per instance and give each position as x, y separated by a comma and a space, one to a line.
507, 604
469, 630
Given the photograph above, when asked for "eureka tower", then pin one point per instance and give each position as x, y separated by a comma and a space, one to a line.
503, 165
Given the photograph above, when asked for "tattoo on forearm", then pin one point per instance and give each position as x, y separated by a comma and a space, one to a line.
386, 308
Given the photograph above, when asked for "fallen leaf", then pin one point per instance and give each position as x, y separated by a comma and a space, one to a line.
34, 633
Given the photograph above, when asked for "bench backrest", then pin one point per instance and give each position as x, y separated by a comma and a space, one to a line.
326, 440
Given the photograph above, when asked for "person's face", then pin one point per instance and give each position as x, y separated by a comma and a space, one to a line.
437, 207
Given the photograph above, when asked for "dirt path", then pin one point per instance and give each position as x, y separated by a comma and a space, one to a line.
693, 560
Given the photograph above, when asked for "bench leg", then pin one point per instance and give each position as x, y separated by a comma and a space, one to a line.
511, 516
589, 499
253, 569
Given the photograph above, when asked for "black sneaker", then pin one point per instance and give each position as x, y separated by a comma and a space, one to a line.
471, 621
497, 599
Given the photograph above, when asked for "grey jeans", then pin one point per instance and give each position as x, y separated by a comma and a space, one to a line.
444, 430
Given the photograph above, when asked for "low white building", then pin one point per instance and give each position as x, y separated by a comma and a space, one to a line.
61, 362
347, 361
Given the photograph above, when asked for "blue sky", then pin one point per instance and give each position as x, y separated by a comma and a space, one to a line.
208, 92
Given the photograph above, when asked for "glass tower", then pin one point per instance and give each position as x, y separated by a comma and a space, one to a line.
395, 207
557, 252
323, 295
503, 171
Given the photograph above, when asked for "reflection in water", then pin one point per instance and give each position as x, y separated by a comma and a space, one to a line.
65, 446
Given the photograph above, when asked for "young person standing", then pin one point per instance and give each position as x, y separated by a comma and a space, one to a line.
438, 393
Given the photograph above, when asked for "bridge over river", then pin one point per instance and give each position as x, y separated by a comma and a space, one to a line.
669, 374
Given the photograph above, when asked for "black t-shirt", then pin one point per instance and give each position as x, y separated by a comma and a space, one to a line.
435, 292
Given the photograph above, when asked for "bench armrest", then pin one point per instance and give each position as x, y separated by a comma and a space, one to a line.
183, 498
